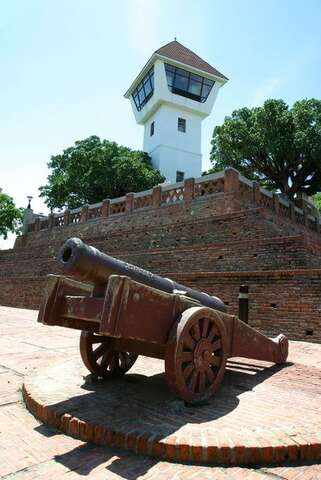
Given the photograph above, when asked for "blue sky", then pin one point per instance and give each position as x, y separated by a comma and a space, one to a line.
65, 66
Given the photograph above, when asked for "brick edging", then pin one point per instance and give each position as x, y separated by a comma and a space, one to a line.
171, 449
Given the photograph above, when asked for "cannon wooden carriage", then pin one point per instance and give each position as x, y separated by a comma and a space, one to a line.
124, 311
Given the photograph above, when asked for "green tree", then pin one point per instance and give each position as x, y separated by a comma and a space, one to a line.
10, 216
317, 200
278, 146
95, 169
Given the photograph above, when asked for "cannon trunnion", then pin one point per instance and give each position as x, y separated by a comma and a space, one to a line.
127, 314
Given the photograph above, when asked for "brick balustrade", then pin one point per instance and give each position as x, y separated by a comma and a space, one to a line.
229, 182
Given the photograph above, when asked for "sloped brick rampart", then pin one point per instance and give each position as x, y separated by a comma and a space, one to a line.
232, 234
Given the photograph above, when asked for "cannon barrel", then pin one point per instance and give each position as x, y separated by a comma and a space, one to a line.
86, 263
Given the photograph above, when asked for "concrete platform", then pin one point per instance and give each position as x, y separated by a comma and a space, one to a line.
262, 414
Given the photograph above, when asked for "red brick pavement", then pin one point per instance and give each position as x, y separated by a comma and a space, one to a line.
29, 450
262, 414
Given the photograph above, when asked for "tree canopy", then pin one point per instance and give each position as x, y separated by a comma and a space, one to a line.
317, 200
94, 169
10, 215
278, 146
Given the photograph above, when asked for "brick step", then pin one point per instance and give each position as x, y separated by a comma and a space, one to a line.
185, 230
263, 254
262, 414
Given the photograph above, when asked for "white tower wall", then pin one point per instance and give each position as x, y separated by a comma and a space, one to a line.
172, 150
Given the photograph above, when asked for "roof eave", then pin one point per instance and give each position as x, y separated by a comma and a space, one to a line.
194, 69
157, 56
141, 75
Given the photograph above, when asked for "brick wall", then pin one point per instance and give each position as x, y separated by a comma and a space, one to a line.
213, 242
287, 301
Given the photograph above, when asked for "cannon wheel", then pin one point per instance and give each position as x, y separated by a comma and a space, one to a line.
100, 360
196, 354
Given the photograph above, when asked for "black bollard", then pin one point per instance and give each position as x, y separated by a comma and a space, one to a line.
244, 303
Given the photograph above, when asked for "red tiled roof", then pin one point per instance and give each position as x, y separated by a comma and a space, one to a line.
177, 51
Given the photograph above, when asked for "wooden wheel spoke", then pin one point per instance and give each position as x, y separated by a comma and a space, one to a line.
212, 333
129, 357
187, 356
196, 334
209, 374
118, 361
99, 352
205, 327
192, 383
202, 382
105, 360
123, 357
114, 363
188, 370
215, 361
217, 345
189, 341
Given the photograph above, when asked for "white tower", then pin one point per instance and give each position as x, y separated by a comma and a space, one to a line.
171, 96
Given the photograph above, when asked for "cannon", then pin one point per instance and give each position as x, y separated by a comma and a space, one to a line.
124, 311
86, 263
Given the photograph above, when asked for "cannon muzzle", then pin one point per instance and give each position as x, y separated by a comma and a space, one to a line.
88, 264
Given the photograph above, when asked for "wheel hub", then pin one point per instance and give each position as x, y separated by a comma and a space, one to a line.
203, 354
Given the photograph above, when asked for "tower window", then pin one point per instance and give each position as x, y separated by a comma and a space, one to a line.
187, 84
152, 128
179, 176
144, 91
181, 125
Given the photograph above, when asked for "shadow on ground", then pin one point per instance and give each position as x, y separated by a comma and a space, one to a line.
85, 458
145, 404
